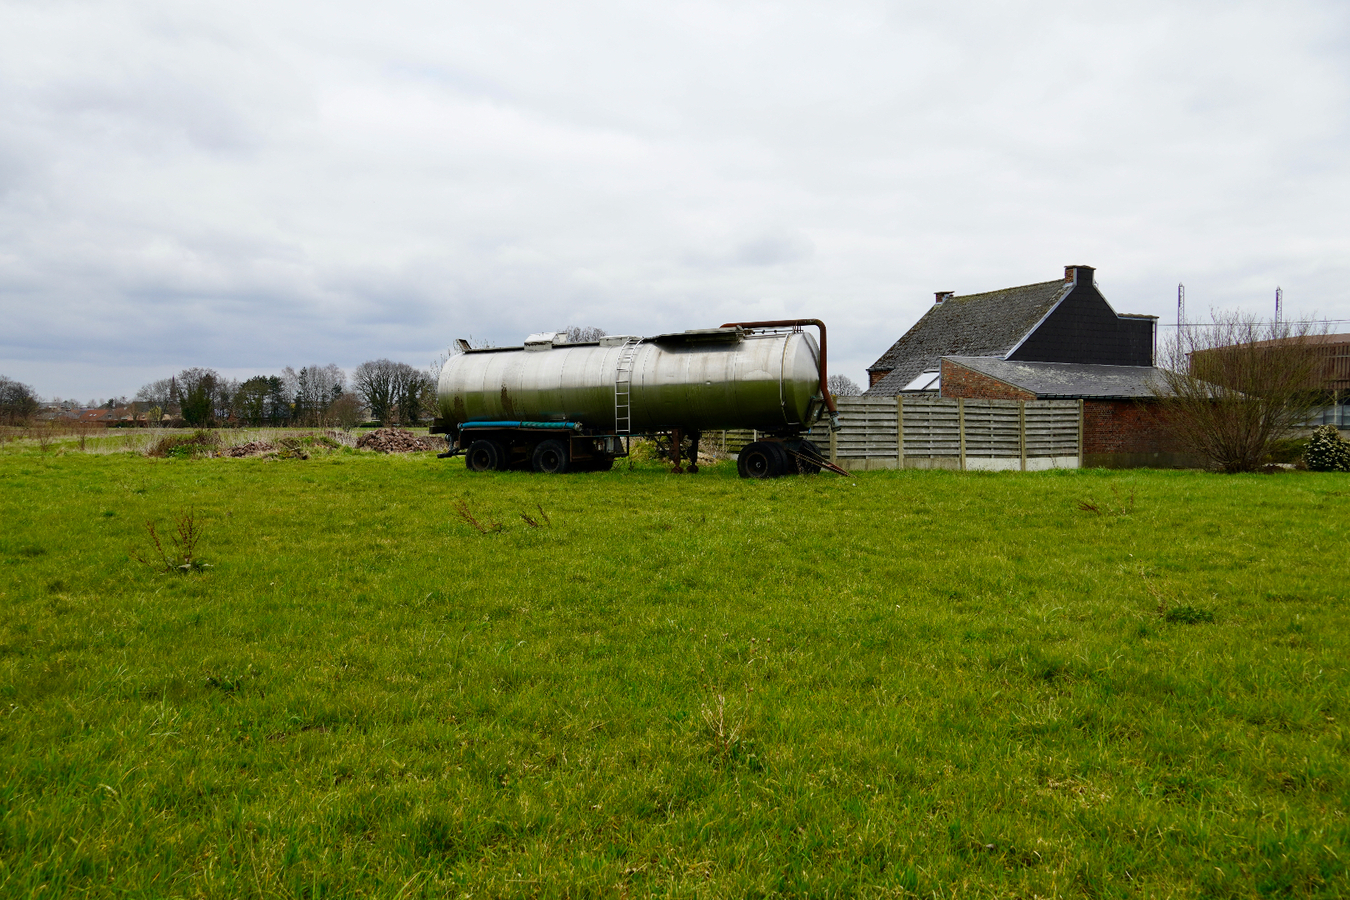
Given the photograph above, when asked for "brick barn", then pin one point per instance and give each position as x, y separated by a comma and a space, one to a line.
1053, 340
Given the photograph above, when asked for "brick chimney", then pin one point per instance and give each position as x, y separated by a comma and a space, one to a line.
943, 295
1079, 274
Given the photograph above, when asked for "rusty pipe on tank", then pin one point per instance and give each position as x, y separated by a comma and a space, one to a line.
824, 375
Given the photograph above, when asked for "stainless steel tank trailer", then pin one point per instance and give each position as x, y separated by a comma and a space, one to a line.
556, 406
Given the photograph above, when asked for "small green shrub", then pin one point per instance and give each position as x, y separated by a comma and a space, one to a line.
1288, 450
1185, 614
1327, 451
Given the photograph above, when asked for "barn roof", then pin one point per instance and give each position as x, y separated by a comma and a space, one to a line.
988, 324
1058, 381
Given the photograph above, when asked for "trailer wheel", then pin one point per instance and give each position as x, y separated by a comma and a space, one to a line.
760, 460
484, 456
550, 458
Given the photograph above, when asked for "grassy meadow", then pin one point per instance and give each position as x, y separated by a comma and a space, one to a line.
1063, 684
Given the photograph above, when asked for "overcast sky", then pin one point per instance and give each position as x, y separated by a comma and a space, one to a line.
247, 186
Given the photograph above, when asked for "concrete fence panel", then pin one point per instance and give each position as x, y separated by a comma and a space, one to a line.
931, 432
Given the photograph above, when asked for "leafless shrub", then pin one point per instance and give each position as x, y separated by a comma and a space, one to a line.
1232, 388
82, 431
183, 557
44, 433
462, 508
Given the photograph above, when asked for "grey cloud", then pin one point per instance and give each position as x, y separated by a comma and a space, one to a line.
257, 185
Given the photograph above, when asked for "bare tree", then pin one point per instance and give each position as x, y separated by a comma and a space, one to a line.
156, 397
1232, 388
843, 386
394, 391
578, 333
346, 411
373, 382
18, 403
313, 390
414, 391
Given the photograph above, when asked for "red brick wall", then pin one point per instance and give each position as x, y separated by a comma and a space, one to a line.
958, 381
877, 376
1125, 426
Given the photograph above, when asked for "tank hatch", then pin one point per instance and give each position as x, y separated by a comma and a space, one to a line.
702, 336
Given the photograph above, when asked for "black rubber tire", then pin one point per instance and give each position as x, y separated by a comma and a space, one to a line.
549, 458
484, 456
761, 459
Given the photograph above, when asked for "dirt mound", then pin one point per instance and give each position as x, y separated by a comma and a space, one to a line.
396, 440
252, 448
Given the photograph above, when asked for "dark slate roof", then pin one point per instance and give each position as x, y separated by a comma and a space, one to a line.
1058, 381
989, 324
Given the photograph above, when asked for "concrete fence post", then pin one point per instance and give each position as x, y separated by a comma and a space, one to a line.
961, 428
899, 431
1082, 420
1022, 432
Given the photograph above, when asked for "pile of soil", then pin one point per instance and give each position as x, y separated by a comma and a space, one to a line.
252, 448
396, 440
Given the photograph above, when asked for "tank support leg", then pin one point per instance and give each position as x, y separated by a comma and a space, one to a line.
676, 436
693, 451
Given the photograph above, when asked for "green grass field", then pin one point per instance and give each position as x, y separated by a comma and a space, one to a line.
896, 684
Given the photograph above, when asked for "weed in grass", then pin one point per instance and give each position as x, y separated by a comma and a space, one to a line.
540, 522
465, 513
1180, 613
1120, 508
725, 730
184, 557
1185, 614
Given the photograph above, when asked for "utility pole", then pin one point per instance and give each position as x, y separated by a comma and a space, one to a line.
1181, 306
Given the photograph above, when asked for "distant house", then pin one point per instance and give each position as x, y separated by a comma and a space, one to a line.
1063, 321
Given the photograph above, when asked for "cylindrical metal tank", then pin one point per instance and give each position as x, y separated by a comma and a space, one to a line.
699, 380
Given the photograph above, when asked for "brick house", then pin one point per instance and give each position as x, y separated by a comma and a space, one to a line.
1053, 340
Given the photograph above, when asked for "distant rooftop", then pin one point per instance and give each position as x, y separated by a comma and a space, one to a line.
1059, 381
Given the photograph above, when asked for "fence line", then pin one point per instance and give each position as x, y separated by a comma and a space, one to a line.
930, 432
934, 433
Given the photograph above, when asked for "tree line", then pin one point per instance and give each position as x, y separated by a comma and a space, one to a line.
382, 390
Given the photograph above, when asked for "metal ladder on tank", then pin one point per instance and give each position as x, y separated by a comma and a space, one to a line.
623, 389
